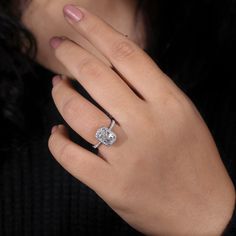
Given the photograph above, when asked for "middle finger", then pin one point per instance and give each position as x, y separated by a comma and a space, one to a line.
100, 81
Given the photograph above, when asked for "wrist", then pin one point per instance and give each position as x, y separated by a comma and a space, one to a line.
212, 221
208, 219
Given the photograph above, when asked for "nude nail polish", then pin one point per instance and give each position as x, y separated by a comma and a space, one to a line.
55, 42
56, 79
72, 13
54, 128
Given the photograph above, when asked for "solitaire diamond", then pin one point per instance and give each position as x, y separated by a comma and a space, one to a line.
106, 136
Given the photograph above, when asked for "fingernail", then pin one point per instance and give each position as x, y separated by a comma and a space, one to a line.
56, 79
55, 42
54, 128
63, 77
63, 130
61, 127
72, 13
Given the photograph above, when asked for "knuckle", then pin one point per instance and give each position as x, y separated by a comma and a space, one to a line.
65, 152
178, 107
90, 67
69, 108
122, 50
173, 107
171, 100
93, 28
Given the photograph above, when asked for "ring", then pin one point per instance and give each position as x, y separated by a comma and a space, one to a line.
105, 135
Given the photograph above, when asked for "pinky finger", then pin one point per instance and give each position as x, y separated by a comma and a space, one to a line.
81, 163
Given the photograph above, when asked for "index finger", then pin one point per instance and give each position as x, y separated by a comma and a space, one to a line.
135, 66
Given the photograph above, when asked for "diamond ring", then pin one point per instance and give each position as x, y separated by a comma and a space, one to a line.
105, 135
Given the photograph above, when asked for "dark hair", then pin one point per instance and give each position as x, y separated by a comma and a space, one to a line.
21, 97
192, 41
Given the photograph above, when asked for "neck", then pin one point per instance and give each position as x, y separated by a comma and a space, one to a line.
122, 15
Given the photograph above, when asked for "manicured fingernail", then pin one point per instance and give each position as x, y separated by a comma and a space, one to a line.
63, 130
56, 79
55, 42
61, 127
72, 13
54, 128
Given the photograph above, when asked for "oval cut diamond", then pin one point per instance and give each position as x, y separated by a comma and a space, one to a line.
106, 136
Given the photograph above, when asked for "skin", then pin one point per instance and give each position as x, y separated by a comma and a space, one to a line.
38, 13
164, 174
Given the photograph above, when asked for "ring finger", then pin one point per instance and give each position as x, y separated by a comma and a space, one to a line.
83, 117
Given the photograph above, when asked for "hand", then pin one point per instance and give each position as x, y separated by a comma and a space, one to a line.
163, 175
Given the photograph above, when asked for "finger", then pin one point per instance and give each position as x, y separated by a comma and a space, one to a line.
101, 82
83, 117
129, 60
82, 164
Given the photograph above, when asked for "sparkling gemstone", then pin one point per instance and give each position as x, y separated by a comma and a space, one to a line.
105, 136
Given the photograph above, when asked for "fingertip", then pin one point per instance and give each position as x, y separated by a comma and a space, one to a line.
58, 133
55, 42
56, 79
72, 13
54, 129
63, 129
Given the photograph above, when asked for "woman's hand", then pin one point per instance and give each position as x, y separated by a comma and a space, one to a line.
163, 175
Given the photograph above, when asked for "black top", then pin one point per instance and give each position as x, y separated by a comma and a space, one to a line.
38, 197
